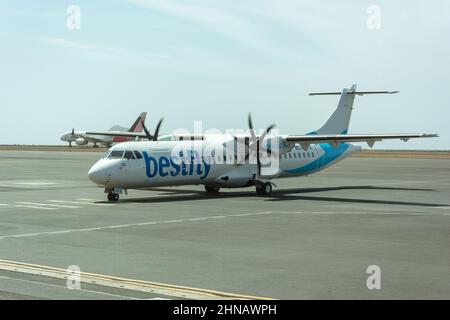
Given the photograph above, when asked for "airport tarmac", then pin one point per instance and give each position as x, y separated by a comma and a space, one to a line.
313, 238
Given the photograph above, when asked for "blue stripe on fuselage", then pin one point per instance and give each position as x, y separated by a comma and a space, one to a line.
329, 156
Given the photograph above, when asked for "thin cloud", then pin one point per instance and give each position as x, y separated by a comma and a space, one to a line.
217, 20
105, 52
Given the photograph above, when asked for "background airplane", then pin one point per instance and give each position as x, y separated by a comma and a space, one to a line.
165, 162
82, 138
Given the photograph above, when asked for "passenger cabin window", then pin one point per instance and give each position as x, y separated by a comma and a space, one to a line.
138, 155
129, 155
116, 154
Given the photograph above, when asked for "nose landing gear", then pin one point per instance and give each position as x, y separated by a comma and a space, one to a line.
113, 196
113, 193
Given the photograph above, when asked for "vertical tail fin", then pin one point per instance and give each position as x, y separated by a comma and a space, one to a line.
138, 124
340, 119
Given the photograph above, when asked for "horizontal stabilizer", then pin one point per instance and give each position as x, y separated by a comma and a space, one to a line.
359, 93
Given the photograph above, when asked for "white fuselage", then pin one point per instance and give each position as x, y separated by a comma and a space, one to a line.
146, 164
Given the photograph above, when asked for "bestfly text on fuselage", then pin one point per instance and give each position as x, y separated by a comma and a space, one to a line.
173, 165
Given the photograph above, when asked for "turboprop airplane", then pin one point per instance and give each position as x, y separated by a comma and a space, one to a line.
82, 138
231, 160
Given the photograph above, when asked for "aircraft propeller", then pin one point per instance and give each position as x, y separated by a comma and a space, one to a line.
257, 141
153, 137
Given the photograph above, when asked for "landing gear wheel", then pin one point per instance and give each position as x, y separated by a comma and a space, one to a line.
212, 189
113, 196
263, 188
259, 188
267, 188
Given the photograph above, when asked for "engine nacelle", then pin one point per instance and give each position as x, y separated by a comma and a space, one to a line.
81, 142
278, 144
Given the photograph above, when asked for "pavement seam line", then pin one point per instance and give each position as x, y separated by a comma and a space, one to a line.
62, 273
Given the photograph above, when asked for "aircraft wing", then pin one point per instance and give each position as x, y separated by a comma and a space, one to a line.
335, 139
118, 134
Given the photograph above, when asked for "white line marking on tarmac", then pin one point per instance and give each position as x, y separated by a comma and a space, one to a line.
361, 213
131, 225
35, 183
25, 235
62, 287
408, 182
32, 207
47, 205
25, 206
376, 213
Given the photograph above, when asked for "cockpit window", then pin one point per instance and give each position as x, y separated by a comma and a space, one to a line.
129, 155
115, 154
138, 155
107, 154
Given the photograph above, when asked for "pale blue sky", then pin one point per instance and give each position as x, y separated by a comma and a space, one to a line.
217, 60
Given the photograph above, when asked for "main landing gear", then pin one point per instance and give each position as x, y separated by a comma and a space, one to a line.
263, 188
212, 189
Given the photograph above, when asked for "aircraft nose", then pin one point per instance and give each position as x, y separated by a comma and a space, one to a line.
98, 174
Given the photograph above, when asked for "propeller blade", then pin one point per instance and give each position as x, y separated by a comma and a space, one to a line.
250, 125
258, 141
258, 147
258, 160
269, 128
268, 151
73, 131
155, 136
149, 136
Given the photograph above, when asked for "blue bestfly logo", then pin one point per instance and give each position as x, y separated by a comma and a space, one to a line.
174, 166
